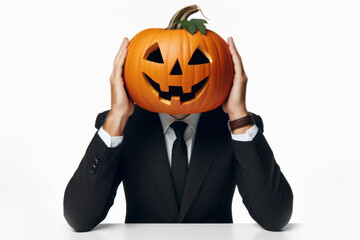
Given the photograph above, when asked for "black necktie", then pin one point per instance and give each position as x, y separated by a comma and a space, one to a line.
179, 159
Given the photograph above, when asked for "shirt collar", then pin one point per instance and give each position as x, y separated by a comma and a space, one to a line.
192, 120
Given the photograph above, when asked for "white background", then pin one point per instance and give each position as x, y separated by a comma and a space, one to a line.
301, 57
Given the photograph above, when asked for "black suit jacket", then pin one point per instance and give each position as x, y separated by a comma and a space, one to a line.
217, 165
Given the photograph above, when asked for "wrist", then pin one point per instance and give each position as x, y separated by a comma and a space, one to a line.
242, 130
237, 114
115, 124
240, 121
118, 113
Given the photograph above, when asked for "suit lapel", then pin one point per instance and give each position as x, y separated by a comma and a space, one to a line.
205, 147
158, 162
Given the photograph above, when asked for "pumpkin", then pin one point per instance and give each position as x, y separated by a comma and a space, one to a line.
177, 70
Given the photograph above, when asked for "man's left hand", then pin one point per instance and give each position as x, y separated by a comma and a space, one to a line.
235, 105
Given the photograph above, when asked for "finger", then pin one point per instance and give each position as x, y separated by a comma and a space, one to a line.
116, 60
240, 70
235, 56
233, 47
119, 66
124, 44
119, 51
122, 58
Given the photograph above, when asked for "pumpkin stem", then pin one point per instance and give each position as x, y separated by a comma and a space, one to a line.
181, 15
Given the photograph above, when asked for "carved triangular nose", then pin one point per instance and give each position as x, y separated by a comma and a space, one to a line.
176, 69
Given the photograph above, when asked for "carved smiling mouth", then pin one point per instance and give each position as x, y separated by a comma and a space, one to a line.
177, 90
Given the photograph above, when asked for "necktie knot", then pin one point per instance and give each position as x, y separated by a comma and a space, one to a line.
179, 128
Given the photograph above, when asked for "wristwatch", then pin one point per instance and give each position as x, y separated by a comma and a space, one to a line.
241, 122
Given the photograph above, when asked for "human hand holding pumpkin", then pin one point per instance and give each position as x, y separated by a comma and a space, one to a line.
235, 106
122, 107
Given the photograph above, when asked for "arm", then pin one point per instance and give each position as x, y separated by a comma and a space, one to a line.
265, 191
91, 191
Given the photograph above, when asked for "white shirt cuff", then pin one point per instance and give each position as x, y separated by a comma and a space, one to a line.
247, 136
110, 141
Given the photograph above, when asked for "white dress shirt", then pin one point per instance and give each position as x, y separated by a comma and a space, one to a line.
169, 134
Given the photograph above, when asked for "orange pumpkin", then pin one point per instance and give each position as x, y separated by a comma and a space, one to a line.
172, 71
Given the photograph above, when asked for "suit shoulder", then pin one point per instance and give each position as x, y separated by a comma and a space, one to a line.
100, 119
137, 115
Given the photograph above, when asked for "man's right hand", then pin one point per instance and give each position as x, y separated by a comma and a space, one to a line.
122, 107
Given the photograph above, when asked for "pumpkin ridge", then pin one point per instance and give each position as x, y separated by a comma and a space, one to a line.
156, 37
227, 67
210, 65
217, 72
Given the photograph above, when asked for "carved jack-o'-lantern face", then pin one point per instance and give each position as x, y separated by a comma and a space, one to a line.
172, 71
199, 56
177, 72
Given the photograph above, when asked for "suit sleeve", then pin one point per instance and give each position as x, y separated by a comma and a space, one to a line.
91, 190
265, 192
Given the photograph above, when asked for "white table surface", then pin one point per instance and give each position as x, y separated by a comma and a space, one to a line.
49, 230
181, 232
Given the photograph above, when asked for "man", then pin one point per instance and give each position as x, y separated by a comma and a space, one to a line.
147, 150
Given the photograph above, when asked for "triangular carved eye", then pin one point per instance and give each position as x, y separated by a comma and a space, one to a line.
153, 54
198, 57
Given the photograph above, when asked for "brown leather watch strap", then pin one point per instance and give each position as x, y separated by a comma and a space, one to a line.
241, 122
